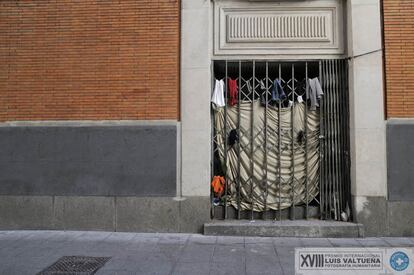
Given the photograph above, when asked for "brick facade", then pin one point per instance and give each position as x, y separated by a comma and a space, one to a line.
399, 57
89, 59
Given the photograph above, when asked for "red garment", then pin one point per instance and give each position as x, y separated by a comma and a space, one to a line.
233, 91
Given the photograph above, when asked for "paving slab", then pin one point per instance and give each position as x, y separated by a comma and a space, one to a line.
231, 268
28, 252
230, 240
373, 242
197, 253
287, 242
202, 239
399, 242
316, 242
348, 242
229, 254
192, 268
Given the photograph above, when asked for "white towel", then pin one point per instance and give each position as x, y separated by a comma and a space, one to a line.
218, 94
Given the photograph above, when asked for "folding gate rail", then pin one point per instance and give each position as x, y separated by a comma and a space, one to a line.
276, 153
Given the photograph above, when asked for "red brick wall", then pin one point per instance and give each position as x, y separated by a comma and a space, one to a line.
89, 59
399, 57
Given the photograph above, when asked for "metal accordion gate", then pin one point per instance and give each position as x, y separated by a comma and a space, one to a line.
280, 140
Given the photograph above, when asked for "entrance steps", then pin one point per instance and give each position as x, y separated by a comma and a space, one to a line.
285, 214
284, 228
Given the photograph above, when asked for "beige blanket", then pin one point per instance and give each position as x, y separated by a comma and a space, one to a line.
254, 188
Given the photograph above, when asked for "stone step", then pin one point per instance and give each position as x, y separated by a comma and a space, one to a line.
299, 212
285, 228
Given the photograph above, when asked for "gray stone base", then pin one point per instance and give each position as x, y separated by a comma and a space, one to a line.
372, 213
300, 228
400, 160
381, 217
78, 158
400, 219
378, 216
133, 214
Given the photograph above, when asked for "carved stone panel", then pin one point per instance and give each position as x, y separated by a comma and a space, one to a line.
278, 28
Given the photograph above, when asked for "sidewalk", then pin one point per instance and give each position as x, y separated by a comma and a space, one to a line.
28, 252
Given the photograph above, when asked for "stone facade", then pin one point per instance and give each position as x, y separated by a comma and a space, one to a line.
146, 66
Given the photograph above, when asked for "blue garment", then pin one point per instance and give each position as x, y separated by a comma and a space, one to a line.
277, 92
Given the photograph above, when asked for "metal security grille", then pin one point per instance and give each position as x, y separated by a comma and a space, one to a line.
282, 151
335, 182
75, 265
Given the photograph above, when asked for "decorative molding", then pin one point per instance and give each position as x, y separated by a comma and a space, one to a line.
306, 28
248, 28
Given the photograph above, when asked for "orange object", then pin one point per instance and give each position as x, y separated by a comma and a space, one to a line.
218, 185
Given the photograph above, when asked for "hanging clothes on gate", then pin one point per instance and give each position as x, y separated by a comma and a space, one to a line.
262, 85
233, 137
315, 92
249, 86
233, 91
218, 94
264, 93
277, 92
